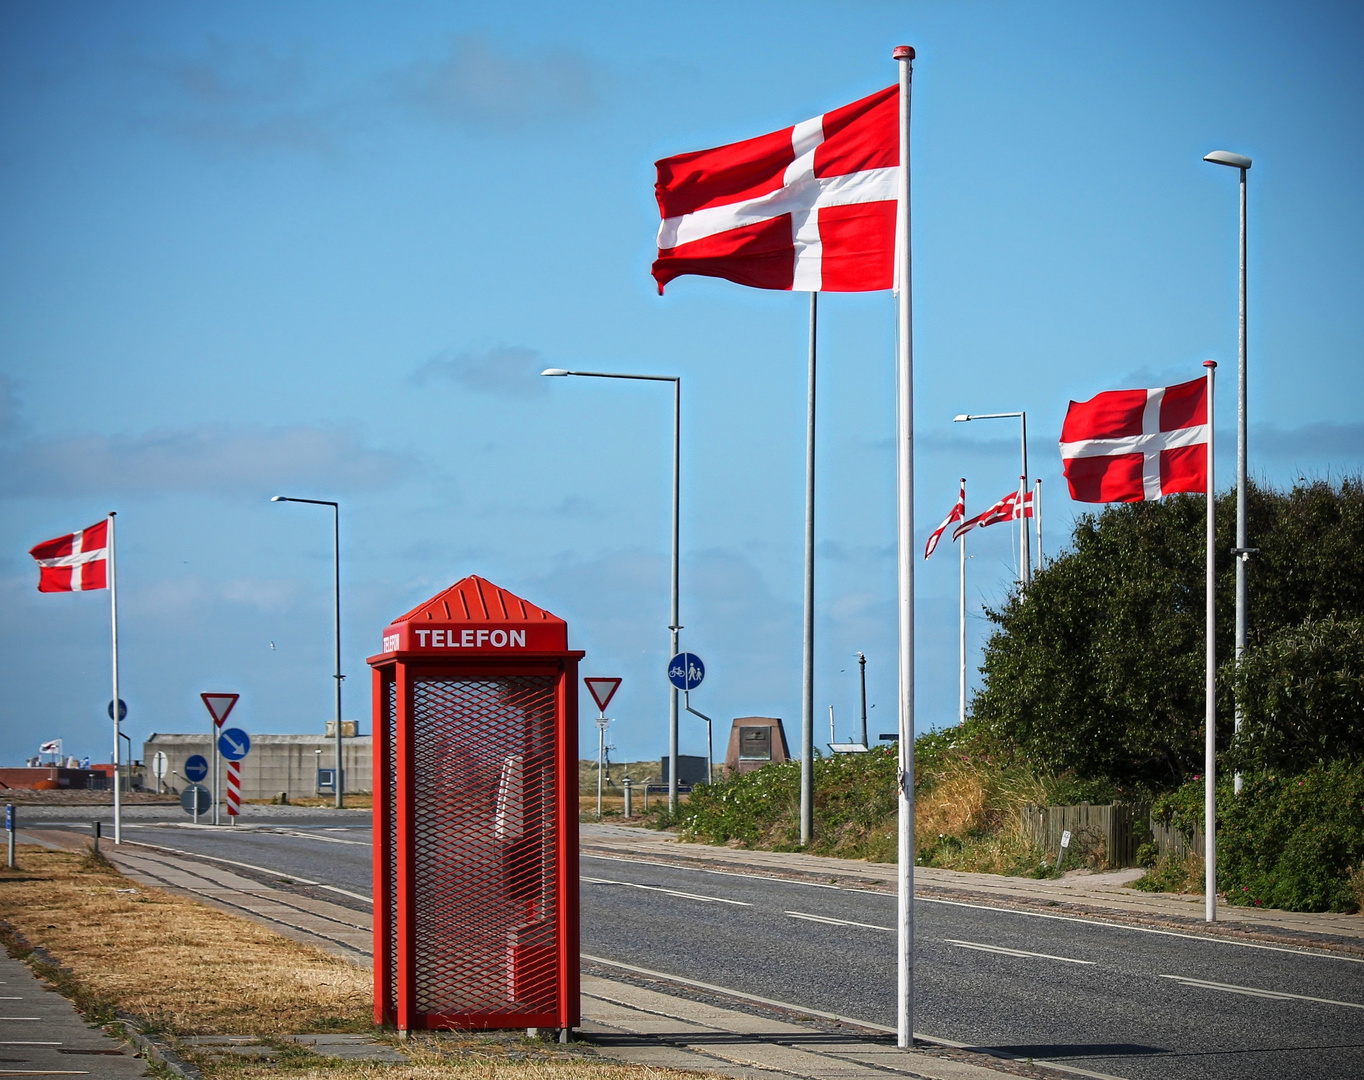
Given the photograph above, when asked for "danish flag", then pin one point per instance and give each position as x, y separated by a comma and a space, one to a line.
1133, 445
77, 562
957, 514
809, 208
1015, 505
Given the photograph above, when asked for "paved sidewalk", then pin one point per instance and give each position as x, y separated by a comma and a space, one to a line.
41, 1034
1102, 895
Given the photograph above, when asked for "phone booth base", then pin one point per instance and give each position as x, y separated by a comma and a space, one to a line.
476, 815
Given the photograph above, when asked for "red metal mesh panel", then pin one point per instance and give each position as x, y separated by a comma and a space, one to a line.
483, 771
390, 729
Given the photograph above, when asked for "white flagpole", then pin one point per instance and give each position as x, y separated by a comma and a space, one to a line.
807, 690
113, 621
961, 612
1210, 687
904, 452
1037, 516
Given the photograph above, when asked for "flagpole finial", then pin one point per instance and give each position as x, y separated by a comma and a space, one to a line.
1209, 363
903, 52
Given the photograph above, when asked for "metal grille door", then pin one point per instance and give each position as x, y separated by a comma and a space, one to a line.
483, 813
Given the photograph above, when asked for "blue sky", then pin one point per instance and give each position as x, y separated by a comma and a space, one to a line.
324, 249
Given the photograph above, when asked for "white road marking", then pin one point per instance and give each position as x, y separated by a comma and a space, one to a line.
27, 1042
980, 946
670, 892
230, 862
869, 1025
985, 907
838, 922
1251, 991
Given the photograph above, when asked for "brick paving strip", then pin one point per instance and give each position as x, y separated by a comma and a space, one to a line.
660, 1024
42, 1034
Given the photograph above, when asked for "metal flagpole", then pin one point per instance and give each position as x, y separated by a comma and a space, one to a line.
673, 624
113, 620
807, 691
1025, 555
904, 453
961, 628
1210, 686
1037, 517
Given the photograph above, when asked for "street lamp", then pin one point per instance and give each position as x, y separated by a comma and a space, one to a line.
1023, 442
336, 539
673, 625
1241, 551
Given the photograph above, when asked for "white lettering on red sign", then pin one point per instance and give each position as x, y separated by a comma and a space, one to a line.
467, 639
390, 643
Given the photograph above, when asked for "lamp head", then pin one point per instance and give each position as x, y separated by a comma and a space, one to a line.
279, 498
555, 371
961, 418
1226, 157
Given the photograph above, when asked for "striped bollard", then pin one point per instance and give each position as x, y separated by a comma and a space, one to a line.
234, 790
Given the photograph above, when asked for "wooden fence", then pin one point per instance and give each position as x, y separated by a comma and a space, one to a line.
1109, 833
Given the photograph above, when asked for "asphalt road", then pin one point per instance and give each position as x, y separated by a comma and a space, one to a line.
1117, 1000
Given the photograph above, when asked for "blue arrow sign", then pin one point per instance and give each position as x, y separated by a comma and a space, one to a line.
196, 768
685, 671
234, 744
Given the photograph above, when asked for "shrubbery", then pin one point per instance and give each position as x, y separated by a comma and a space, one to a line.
1294, 842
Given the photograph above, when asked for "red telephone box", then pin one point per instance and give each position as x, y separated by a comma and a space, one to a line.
476, 815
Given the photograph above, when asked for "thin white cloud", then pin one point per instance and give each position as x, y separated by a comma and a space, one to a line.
510, 370
207, 458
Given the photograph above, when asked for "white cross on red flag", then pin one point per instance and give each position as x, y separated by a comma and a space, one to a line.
1133, 445
77, 562
1009, 508
810, 208
958, 513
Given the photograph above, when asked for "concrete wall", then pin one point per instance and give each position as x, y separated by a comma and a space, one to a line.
276, 763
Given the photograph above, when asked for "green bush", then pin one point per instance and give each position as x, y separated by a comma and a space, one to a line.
1294, 842
1290, 842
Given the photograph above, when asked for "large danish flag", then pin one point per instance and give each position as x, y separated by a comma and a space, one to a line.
809, 208
1133, 445
77, 562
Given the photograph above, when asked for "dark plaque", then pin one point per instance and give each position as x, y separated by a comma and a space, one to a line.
755, 744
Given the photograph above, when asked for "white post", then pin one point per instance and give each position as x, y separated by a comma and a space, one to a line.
1024, 555
904, 455
601, 750
113, 621
1037, 516
961, 616
674, 625
807, 686
1242, 538
1210, 686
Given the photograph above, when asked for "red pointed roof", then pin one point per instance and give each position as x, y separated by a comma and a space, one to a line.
478, 600
473, 618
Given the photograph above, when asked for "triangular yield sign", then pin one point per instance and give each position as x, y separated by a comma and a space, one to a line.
602, 690
219, 705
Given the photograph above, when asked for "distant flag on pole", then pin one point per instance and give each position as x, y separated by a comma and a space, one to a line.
1007, 509
958, 514
1134, 445
52, 746
809, 208
76, 562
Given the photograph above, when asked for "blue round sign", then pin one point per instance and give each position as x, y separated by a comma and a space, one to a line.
234, 744
196, 768
122, 709
685, 671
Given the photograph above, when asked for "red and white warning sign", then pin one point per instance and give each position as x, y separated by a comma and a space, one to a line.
219, 705
234, 788
602, 689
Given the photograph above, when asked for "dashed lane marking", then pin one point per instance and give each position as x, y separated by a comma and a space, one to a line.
982, 947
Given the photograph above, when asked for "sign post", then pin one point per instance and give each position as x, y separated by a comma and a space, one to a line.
11, 827
160, 766
602, 689
219, 706
196, 769
233, 745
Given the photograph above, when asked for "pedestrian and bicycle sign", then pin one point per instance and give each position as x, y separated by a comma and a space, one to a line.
122, 710
685, 671
234, 744
196, 768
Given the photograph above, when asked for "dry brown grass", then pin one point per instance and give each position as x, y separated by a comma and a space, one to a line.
177, 964
970, 819
474, 1069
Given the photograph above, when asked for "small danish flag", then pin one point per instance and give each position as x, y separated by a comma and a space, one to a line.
77, 562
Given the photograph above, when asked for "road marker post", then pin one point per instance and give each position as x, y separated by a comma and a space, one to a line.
233, 745
219, 706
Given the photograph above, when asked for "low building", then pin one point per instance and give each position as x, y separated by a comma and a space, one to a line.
277, 764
